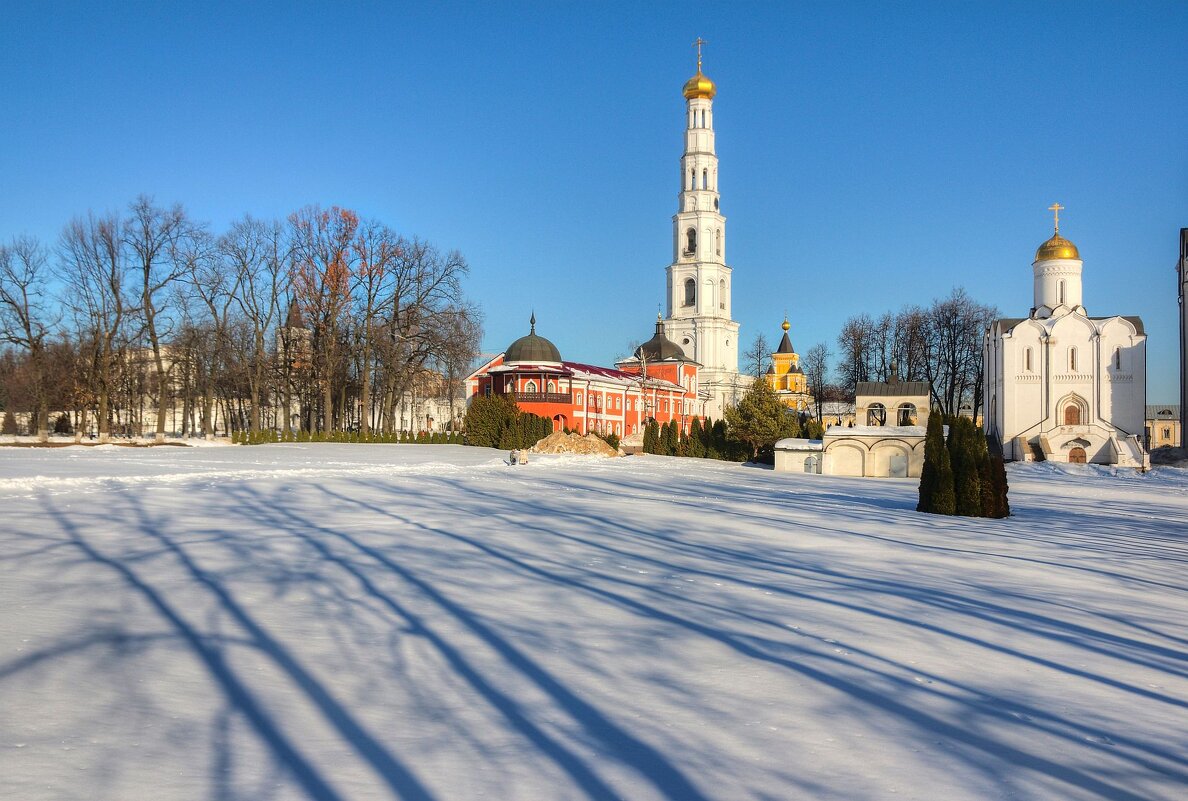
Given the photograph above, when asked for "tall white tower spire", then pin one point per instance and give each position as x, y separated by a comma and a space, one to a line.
698, 279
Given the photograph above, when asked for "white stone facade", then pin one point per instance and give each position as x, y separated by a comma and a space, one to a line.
1060, 385
698, 297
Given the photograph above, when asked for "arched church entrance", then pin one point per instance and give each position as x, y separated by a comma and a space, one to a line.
560, 421
1076, 456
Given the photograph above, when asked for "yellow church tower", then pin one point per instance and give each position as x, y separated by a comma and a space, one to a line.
785, 376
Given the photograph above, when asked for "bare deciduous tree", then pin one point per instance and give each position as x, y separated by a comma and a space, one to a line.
95, 269
757, 356
25, 316
816, 372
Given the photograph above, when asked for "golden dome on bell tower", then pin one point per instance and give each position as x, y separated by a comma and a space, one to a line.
699, 85
1057, 247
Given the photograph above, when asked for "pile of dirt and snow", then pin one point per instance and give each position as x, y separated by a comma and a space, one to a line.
1168, 456
560, 442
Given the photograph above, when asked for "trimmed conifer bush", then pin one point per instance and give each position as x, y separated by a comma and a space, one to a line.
62, 425
963, 458
9, 425
695, 441
998, 478
936, 476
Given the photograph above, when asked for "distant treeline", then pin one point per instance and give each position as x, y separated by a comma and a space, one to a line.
145, 320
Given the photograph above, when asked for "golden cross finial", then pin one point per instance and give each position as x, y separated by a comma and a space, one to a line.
698, 45
1055, 209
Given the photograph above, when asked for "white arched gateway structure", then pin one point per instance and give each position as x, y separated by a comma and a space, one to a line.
887, 442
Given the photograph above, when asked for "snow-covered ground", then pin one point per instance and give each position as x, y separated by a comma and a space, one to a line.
425, 622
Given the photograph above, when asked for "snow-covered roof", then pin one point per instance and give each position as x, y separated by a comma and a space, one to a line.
876, 431
798, 444
837, 407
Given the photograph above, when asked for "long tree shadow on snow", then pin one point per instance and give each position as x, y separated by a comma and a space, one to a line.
646, 760
989, 706
236, 690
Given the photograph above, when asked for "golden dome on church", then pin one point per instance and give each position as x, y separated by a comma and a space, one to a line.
700, 86
1057, 248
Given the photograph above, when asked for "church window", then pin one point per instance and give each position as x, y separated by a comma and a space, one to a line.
703, 118
552, 387
1027, 360
530, 387
1117, 358
876, 415
718, 242
690, 292
1072, 359
690, 241
705, 179
722, 296
1061, 290
907, 414
578, 398
692, 179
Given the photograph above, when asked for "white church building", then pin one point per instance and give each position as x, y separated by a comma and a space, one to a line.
1060, 385
698, 292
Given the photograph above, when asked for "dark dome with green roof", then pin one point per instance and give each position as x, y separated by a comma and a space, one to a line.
532, 348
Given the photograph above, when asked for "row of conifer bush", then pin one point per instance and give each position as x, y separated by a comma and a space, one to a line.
267, 436
495, 421
960, 476
708, 440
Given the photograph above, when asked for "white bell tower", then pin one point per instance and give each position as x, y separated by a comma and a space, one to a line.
699, 282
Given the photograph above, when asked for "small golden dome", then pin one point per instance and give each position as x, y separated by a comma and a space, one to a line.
700, 86
786, 325
1057, 248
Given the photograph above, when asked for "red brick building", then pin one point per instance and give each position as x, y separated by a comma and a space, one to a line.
657, 383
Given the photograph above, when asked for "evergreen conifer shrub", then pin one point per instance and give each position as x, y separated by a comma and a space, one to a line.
998, 478
672, 438
9, 425
695, 441
62, 424
936, 476
963, 457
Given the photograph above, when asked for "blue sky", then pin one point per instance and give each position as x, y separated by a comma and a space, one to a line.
872, 155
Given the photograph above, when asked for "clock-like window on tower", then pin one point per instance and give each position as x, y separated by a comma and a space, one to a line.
690, 241
690, 292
